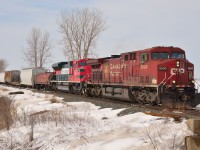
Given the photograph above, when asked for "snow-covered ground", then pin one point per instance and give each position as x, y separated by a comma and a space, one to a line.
197, 84
84, 126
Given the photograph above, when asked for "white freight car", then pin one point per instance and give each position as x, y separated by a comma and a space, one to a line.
28, 75
2, 77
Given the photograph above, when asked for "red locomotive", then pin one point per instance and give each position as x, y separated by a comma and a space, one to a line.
71, 75
144, 76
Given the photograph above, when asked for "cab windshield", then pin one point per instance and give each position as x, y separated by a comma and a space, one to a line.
82, 63
178, 55
160, 55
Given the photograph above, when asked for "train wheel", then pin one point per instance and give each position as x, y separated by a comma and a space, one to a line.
98, 92
46, 88
76, 88
83, 91
152, 97
132, 95
54, 87
88, 92
141, 97
93, 93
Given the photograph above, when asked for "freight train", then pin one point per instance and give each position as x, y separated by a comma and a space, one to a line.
145, 76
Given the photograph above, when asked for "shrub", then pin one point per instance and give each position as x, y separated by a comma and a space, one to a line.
53, 99
7, 112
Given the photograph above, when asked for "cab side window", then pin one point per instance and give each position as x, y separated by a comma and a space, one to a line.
126, 57
144, 57
133, 56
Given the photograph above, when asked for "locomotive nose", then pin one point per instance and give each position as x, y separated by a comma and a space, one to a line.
181, 73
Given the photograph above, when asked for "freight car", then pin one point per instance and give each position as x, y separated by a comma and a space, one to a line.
28, 76
2, 77
42, 80
12, 77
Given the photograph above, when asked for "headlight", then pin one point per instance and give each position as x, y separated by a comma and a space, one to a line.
193, 81
177, 64
173, 81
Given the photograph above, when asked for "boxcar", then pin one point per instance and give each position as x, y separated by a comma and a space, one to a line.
43, 80
12, 77
2, 77
28, 75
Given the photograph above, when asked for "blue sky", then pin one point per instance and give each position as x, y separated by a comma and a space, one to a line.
132, 25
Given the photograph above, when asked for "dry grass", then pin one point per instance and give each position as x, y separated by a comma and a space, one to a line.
175, 116
3, 89
52, 118
33, 120
2, 123
40, 112
53, 100
7, 113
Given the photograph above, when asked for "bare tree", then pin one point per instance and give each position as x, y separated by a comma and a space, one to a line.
3, 65
38, 50
80, 29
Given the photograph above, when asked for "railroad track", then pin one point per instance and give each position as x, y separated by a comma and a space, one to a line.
148, 107
155, 110
129, 107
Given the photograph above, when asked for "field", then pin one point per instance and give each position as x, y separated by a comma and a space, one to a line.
43, 121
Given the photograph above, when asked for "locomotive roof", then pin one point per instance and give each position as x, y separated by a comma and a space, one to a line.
97, 60
153, 49
167, 49
160, 49
32, 68
58, 65
12, 71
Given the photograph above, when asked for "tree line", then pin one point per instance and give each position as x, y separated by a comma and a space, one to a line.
79, 28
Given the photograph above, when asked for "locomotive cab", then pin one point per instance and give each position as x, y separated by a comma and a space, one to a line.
157, 72
70, 76
175, 74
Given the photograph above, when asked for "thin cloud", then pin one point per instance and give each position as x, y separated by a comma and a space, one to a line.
132, 25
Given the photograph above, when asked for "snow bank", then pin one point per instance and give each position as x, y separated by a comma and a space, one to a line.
84, 126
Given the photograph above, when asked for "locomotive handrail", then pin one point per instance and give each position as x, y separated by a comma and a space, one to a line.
50, 77
168, 79
196, 82
84, 78
163, 79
